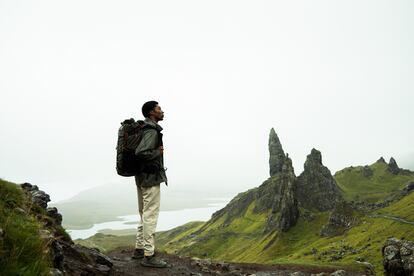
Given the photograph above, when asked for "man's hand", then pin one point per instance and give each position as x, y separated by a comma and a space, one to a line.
162, 150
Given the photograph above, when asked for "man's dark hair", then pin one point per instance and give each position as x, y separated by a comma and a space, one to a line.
147, 107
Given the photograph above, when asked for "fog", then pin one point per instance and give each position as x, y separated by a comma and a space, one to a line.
334, 75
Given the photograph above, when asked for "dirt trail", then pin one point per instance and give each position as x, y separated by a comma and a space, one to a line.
391, 218
124, 265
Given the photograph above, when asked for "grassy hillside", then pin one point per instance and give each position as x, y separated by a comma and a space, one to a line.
373, 188
110, 240
302, 244
241, 240
22, 251
239, 237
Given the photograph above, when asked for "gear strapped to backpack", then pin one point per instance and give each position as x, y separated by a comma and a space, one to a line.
129, 136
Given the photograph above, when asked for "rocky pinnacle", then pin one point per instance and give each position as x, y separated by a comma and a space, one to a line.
393, 167
277, 156
317, 189
285, 211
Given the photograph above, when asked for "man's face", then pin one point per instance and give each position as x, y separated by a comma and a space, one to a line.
157, 113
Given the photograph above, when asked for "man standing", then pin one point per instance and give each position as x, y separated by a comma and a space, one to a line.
150, 150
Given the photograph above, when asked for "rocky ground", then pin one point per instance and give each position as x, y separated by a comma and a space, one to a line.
123, 264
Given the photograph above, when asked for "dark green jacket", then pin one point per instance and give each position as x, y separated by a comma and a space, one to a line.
153, 172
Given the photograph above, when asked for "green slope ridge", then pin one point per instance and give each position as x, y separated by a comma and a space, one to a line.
22, 251
241, 241
371, 188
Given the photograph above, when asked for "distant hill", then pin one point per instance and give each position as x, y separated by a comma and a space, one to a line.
107, 202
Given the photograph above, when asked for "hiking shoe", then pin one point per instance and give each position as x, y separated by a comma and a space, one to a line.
138, 253
152, 261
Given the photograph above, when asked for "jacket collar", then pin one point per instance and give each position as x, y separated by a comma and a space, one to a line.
153, 123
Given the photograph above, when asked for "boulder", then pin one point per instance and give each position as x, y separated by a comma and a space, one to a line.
367, 171
38, 197
55, 215
409, 187
398, 257
341, 219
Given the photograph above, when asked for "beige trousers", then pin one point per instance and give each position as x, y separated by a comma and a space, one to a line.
149, 209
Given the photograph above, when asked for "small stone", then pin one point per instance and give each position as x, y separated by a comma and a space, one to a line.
103, 268
20, 210
405, 251
360, 259
297, 273
55, 272
339, 273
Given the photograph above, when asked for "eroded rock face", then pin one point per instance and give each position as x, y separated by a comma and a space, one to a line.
277, 155
316, 187
38, 196
393, 167
67, 257
285, 211
341, 219
367, 171
381, 160
398, 257
236, 207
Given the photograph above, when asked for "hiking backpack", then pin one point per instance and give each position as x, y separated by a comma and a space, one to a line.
129, 136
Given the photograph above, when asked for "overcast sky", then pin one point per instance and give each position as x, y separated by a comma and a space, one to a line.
334, 75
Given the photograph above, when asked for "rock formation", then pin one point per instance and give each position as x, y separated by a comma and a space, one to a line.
367, 171
67, 258
316, 188
409, 187
341, 219
285, 212
277, 156
381, 160
393, 167
398, 257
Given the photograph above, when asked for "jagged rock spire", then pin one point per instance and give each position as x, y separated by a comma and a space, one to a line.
381, 160
277, 155
316, 187
393, 167
285, 211
314, 159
